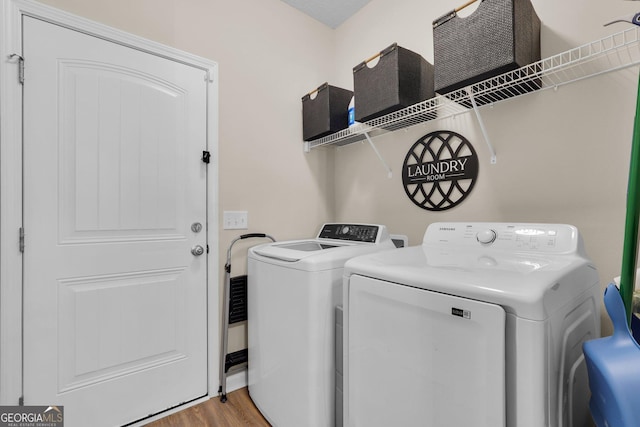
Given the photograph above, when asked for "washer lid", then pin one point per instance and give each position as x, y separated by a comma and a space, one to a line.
296, 250
314, 255
335, 244
307, 246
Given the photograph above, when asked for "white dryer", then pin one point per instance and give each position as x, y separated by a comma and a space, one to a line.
293, 289
482, 325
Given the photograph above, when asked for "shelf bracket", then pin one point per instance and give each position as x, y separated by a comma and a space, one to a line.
386, 166
482, 128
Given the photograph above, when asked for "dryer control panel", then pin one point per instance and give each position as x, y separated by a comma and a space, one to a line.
367, 233
554, 238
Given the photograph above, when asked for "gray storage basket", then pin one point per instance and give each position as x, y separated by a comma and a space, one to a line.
400, 78
500, 36
326, 113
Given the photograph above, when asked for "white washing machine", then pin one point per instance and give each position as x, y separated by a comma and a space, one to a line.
482, 325
293, 289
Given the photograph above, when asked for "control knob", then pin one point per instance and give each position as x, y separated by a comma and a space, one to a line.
486, 237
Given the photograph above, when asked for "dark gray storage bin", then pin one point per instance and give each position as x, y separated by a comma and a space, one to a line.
400, 78
325, 111
500, 36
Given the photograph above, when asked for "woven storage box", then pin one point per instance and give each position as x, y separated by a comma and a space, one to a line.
400, 78
499, 36
325, 111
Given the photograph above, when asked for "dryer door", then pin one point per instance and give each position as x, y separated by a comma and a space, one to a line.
417, 357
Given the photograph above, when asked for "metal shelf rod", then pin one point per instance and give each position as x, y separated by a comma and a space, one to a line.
386, 166
492, 152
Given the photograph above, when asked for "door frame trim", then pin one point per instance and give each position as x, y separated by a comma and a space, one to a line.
11, 13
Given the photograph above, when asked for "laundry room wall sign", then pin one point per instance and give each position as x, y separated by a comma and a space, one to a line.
440, 170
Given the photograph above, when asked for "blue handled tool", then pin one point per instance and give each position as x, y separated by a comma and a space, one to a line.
613, 364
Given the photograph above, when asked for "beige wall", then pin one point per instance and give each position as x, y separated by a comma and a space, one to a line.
562, 155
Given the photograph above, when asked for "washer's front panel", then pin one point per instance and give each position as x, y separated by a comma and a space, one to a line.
422, 358
291, 343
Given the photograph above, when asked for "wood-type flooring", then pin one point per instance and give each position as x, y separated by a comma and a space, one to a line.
238, 411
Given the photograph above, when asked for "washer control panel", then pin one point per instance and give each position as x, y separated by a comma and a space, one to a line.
506, 236
353, 232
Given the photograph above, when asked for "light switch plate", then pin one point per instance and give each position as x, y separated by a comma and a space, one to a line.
235, 220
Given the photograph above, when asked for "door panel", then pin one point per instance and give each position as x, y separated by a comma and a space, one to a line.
443, 355
121, 157
114, 301
102, 336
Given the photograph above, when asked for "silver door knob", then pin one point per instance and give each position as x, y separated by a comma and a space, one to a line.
197, 250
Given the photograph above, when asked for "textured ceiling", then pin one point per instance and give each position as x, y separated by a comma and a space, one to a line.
329, 12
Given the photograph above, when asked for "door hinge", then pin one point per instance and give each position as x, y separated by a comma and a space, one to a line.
21, 401
206, 157
20, 66
21, 239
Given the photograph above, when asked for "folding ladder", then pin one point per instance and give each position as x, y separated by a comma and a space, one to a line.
234, 298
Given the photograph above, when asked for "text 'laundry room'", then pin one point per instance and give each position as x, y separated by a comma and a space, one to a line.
319, 213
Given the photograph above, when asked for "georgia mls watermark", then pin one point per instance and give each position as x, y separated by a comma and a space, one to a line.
31, 416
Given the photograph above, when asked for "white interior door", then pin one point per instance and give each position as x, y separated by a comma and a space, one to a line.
114, 300
421, 358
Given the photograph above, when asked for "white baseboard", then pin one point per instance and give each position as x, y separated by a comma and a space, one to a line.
237, 380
